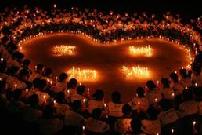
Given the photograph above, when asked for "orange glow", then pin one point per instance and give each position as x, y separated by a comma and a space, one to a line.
63, 50
140, 51
136, 72
83, 74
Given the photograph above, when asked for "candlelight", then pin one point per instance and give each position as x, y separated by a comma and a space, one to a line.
54, 101
172, 130
195, 84
105, 105
140, 51
2, 59
84, 128
194, 123
83, 74
63, 50
173, 94
136, 72
156, 99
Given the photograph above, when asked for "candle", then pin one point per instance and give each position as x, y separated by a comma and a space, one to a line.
173, 94
195, 84
54, 101
105, 105
1, 79
2, 59
172, 130
83, 128
156, 99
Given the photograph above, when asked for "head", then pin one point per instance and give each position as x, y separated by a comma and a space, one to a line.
174, 77
99, 94
140, 92
150, 85
33, 100
81, 89
165, 82
96, 113
47, 72
60, 98
39, 68
116, 97
126, 109
72, 84
26, 63
62, 77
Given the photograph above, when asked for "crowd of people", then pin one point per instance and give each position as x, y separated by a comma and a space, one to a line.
33, 101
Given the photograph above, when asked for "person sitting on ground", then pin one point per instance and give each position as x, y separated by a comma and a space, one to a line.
140, 102
48, 124
185, 78
97, 101
94, 124
166, 91
60, 84
123, 124
154, 95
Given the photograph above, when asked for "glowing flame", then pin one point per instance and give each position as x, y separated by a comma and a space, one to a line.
83, 75
63, 50
140, 51
136, 72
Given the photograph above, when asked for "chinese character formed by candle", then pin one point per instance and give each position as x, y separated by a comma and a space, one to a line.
136, 72
83, 75
63, 50
140, 51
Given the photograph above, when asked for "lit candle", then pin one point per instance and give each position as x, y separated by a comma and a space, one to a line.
2, 59
83, 128
196, 84
156, 99
54, 101
1, 79
172, 130
173, 94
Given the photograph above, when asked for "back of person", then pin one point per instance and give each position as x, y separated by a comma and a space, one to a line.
188, 108
50, 126
154, 96
123, 125
140, 104
167, 117
152, 127
115, 110
92, 104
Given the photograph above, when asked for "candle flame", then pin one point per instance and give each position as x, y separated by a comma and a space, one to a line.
140, 51
63, 50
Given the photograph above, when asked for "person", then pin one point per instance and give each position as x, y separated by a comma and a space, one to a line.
97, 101
123, 124
48, 124
60, 84
94, 124
154, 95
166, 91
32, 113
38, 72
168, 117
115, 106
185, 78
140, 102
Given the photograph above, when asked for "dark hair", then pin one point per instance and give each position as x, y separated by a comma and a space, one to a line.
187, 94
81, 89
150, 84
60, 98
99, 94
33, 100
48, 111
174, 77
62, 77
2, 85
116, 97
26, 62
47, 72
126, 109
12, 70
39, 67
39, 83
72, 83
140, 91
96, 113
165, 82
